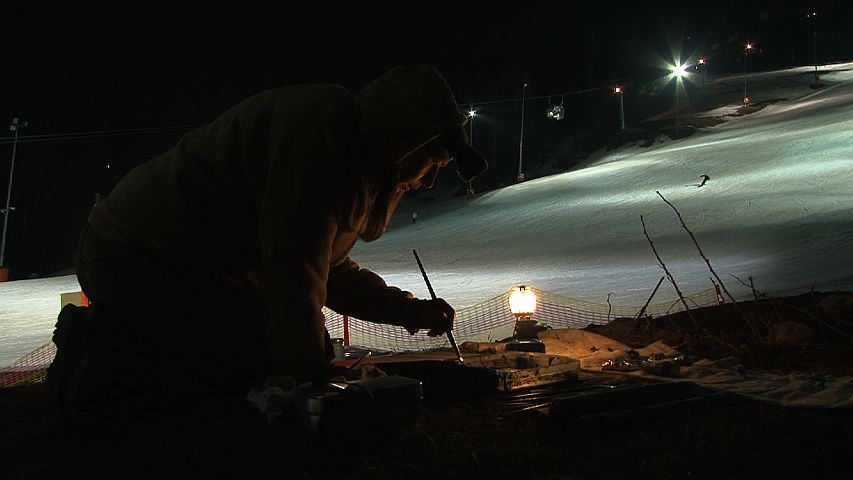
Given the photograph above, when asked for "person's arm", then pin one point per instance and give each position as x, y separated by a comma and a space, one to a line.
364, 294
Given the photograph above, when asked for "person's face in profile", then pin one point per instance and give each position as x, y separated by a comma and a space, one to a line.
420, 168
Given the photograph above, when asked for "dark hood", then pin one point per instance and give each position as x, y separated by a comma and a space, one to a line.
402, 110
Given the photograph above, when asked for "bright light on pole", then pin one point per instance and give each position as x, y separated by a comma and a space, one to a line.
520, 176
620, 91
15, 127
813, 17
747, 49
703, 63
471, 114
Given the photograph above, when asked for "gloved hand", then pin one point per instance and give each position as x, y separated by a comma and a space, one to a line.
434, 315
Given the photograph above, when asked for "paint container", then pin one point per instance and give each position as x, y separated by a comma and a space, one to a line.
338, 346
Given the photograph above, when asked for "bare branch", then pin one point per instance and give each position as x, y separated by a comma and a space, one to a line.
643, 310
755, 294
669, 275
707, 262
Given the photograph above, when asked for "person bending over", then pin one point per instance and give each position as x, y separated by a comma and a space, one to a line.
208, 266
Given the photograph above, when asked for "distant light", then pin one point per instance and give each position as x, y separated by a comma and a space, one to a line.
702, 61
679, 70
472, 113
748, 46
746, 100
617, 89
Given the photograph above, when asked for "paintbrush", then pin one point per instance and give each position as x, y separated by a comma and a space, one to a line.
432, 293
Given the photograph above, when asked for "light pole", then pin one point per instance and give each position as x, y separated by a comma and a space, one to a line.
620, 92
471, 114
15, 127
677, 72
745, 53
520, 176
813, 17
703, 63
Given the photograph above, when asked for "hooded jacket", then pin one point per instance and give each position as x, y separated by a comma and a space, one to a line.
279, 186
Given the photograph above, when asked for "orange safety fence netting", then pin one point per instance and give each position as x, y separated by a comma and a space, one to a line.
488, 321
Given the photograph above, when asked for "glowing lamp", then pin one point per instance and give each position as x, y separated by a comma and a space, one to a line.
522, 304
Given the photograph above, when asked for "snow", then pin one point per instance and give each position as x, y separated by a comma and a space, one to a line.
778, 208
28, 310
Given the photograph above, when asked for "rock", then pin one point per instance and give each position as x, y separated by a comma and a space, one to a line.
837, 307
792, 333
482, 347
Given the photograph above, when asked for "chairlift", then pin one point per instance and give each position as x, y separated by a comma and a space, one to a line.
554, 111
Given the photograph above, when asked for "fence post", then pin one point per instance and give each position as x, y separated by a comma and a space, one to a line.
720, 299
346, 330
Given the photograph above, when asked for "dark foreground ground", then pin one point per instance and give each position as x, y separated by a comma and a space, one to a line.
493, 436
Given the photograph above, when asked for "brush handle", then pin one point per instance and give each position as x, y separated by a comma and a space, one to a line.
423, 272
432, 293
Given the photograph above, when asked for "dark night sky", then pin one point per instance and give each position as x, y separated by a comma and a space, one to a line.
86, 67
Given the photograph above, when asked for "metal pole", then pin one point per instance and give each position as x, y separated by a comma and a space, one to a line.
676, 104
471, 131
744, 74
471, 139
816, 77
8, 209
813, 17
815, 51
621, 111
520, 176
